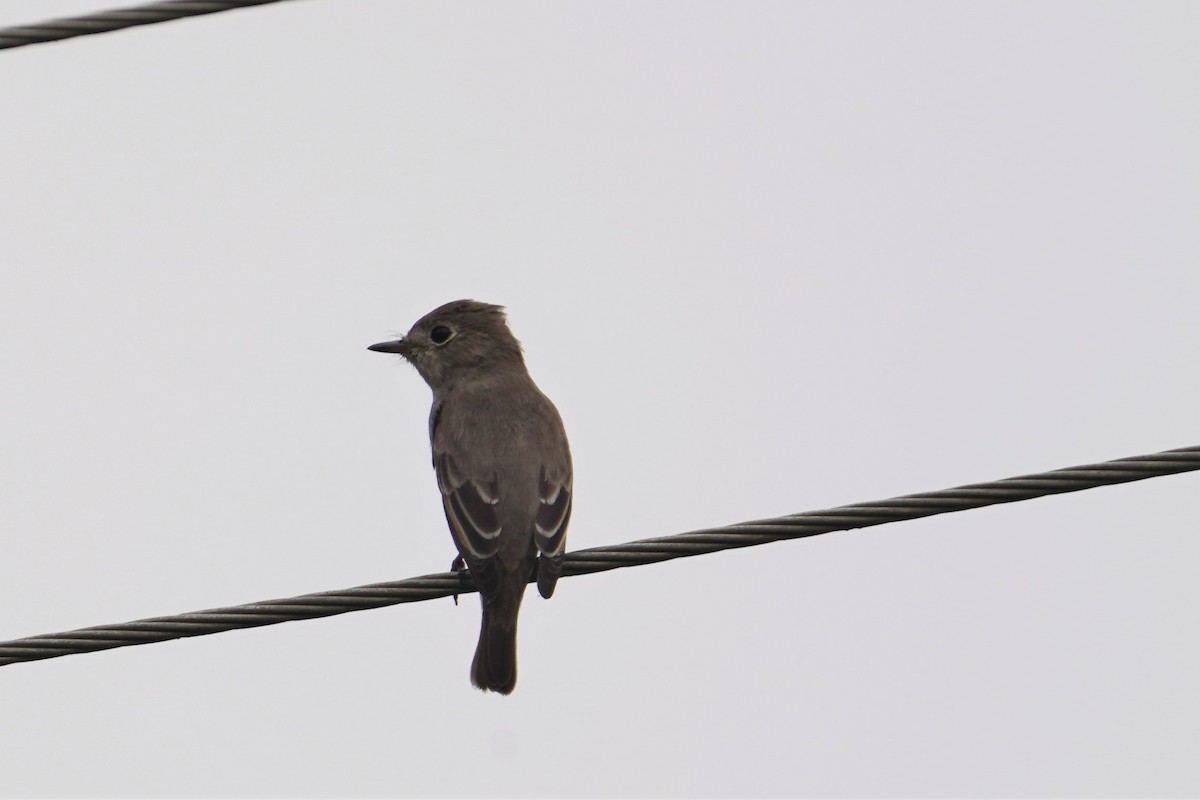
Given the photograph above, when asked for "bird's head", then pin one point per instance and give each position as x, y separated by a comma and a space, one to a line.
456, 340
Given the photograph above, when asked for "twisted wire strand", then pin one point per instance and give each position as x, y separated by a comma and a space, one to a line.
600, 559
117, 19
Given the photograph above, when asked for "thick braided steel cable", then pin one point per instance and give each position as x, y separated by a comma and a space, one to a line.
115, 20
599, 559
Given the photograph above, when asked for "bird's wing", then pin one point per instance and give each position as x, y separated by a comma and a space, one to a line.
470, 509
554, 512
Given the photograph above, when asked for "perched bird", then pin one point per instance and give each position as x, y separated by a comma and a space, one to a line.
502, 462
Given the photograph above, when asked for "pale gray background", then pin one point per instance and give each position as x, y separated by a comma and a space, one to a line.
765, 257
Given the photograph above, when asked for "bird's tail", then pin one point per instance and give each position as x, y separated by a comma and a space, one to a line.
494, 668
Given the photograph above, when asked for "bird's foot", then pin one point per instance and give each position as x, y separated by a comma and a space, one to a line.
458, 565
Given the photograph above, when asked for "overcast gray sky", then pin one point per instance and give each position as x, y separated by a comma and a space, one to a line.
765, 257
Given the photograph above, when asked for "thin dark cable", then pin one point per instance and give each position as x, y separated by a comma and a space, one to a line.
599, 559
117, 19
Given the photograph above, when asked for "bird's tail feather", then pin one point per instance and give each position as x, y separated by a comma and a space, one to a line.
494, 668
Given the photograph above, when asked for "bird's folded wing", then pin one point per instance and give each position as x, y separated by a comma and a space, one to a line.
470, 509
554, 512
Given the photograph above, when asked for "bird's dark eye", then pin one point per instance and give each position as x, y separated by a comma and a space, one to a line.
440, 334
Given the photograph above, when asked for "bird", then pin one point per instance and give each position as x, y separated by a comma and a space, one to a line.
503, 465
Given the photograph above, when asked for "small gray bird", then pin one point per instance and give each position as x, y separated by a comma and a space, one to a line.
502, 463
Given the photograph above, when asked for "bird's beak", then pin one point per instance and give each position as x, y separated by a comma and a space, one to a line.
399, 346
